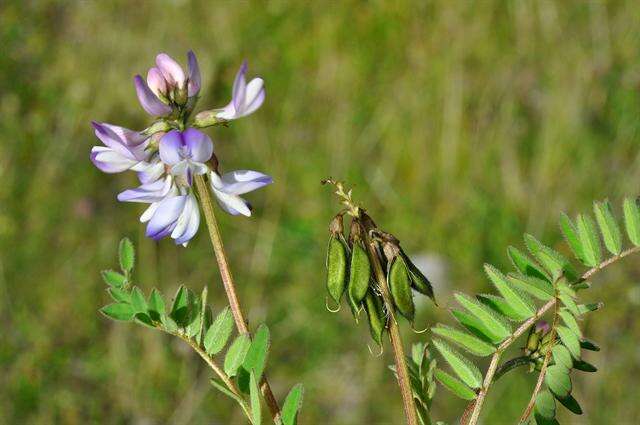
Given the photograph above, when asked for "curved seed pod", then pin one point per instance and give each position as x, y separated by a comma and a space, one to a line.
377, 317
336, 261
400, 287
359, 268
419, 281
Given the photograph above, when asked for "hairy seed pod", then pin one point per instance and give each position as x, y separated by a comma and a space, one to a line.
376, 315
360, 267
336, 260
400, 287
359, 274
419, 281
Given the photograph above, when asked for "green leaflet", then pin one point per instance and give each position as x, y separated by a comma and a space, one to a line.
119, 311
545, 405
491, 321
539, 288
114, 279
126, 255
157, 308
119, 295
500, 305
454, 385
571, 404
525, 265
219, 332
256, 357
554, 262
220, 386
292, 405
180, 307
519, 302
558, 380
236, 354
589, 240
589, 345
138, 302
469, 342
570, 304
561, 356
254, 396
476, 327
570, 340
570, 321
584, 366
608, 227
571, 236
466, 371
632, 220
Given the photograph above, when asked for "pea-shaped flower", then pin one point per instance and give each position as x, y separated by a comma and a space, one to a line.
245, 98
229, 186
124, 149
167, 85
186, 152
175, 216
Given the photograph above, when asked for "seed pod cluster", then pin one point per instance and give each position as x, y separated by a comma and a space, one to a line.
349, 269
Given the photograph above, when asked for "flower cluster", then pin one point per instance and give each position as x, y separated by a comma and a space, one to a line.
168, 154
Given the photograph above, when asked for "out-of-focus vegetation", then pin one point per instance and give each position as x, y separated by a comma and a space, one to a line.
462, 125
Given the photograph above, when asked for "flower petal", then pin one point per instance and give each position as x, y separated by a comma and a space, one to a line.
110, 161
242, 181
232, 204
194, 74
165, 217
171, 70
188, 222
156, 82
147, 193
239, 88
255, 96
199, 144
150, 171
148, 100
171, 147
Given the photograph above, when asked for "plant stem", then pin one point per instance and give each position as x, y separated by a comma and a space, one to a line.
478, 402
229, 286
545, 363
394, 337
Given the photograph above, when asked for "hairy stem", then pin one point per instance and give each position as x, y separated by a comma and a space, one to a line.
545, 363
394, 336
218, 371
229, 286
478, 402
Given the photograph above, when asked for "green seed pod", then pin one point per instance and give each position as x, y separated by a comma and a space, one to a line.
376, 315
360, 267
336, 260
400, 287
419, 281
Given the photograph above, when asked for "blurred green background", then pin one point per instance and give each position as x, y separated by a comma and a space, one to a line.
461, 125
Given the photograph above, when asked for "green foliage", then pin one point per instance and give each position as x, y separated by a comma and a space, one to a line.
236, 354
467, 341
126, 255
454, 385
114, 279
632, 220
558, 380
219, 332
465, 369
256, 410
498, 327
292, 405
608, 227
589, 240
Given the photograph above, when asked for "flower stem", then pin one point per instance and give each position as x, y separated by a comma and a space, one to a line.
229, 286
394, 336
478, 402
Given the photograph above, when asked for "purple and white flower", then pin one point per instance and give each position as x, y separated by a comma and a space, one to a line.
246, 98
229, 186
186, 152
175, 216
168, 84
124, 149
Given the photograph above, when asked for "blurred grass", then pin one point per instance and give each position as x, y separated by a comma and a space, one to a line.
461, 124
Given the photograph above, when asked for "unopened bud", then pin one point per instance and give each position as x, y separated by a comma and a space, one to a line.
207, 119
156, 127
336, 226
